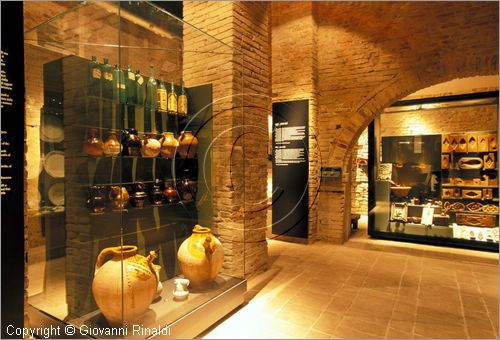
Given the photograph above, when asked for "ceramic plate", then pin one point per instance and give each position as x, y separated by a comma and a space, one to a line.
54, 164
56, 194
52, 129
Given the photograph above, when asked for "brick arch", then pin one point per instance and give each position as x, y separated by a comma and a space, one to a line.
402, 87
384, 96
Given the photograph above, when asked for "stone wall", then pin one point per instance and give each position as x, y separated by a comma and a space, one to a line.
239, 74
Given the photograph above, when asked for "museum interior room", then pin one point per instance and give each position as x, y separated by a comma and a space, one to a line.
261, 169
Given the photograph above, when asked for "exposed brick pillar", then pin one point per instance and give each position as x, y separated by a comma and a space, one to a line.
239, 74
295, 76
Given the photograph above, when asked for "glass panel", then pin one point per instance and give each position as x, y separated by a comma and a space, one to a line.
439, 186
124, 171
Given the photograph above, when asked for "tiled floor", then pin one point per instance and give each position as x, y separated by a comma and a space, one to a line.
369, 289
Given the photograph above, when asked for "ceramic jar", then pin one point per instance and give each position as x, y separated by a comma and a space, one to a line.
118, 197
156, 195
96, 201
170, 193
122, 304
187, 144
187, 187
138, 198
131, 143
112, 146
150, 146
93, 146
200, 257
168, 145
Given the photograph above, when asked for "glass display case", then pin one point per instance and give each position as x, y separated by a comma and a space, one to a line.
123, 241
441, 189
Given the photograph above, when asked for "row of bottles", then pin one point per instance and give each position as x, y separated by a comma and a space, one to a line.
150, 146
131, 88
99, 197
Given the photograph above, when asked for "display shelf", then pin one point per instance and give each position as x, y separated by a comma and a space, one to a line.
469, 186
146, 206
472, 199
183, 319
471, 212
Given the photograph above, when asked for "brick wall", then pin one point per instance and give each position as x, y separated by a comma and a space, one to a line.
295, 76
359, 174
439, 121
239, 74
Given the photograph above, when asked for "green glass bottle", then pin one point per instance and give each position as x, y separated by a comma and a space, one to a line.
107, 79
182, 102
140, 85
131, 87
119, 87
151, 89
95, 75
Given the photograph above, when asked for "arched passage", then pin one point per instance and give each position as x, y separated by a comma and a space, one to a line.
344, 115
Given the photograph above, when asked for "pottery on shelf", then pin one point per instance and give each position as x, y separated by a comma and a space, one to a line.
118, 197
96, 201
150, 146
138, 198
187, 187
170, 194
200, 257
93, 146
156, 195
187, 144
131, 143
112, 146
168, 145
122, 304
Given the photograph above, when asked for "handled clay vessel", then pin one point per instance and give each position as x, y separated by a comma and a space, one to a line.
200, 257
187, 144
122, 304
168, 145
93, 146
150, 146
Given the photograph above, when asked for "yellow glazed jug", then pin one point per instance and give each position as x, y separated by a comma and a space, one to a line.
200, 257
141, 280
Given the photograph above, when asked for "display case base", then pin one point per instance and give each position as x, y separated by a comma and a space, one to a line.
176, 319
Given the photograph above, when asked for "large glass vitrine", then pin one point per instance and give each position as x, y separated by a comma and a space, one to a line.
437, 188
119, 173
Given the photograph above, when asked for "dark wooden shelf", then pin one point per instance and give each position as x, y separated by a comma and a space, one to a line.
469, 186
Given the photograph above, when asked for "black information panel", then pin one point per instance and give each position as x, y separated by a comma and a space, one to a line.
12, 165
290, 168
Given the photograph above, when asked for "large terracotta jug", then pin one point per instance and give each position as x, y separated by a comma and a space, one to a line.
141, 284
187, 144
200, 257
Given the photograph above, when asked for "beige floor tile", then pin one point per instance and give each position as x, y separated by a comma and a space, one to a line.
393, 333
299, 314
440, 330
345, 332
402, 322
312, 299
314, 334
370, 325
340, 303
327, 322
